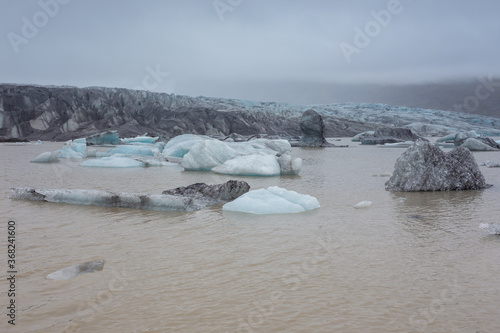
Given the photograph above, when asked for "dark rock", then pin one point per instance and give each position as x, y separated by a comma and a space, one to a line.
312, 130
390, 135
13, 140
425, 167
215, 193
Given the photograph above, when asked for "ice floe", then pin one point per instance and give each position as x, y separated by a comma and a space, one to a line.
273, 200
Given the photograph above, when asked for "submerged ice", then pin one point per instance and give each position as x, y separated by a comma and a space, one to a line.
75, 270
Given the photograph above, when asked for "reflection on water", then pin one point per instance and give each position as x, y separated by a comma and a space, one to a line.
411, 262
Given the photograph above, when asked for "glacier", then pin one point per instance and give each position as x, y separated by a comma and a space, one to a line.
129, 111
273, 200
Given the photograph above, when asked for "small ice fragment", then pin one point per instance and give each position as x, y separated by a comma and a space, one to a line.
72, 271
363, 204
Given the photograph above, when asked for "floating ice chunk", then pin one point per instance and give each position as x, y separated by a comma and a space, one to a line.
490, 164
47, 157
133, 150
279, 146
477, 145
67, 152
289, 166
306, 201
78, 145
357, 137
274, 200
113, 162
105, 138
250, 165
493, 228
206, 154
159, 202
180, 145
72, 271
363, 204
38, 142
140, 139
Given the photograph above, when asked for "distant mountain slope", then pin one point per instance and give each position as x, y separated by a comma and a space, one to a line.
62, 113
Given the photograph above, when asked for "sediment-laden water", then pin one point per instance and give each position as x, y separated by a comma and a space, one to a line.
410, 262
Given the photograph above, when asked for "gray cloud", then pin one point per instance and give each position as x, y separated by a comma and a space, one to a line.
112, 43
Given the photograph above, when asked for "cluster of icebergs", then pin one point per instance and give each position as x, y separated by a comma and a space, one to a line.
257, 157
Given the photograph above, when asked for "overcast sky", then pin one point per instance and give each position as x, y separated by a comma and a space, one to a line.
207, 47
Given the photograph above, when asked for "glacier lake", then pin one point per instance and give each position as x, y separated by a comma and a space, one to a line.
407, 262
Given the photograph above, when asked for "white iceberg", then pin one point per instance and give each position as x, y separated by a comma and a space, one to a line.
363, 204
289, 165
206, 154
180, 145
113, 162
105, 138
134, 150
273, 200
47, 157
67, 152
140, 139
250, 165
72, 271
493, 228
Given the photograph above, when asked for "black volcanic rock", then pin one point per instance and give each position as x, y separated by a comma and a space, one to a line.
390, 135
312, 129
425, 167
218, 193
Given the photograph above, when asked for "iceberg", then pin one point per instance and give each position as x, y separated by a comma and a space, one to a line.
480, 144
140, 139
493, 228
47, 157
363, 204
250, 165
67, 152
289, 166
75, 270
180, 145
105, 138
357, 137
490, 164
273, 200
112, 162
133, 150
186, 199
206, 154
